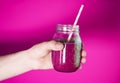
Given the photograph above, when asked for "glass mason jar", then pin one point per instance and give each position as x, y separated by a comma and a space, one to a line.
68, 59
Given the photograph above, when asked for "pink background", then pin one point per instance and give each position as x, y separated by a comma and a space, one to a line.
24, 23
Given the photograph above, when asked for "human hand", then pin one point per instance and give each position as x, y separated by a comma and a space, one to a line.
40, 54
37, 57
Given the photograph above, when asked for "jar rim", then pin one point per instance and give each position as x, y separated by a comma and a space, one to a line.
67, 27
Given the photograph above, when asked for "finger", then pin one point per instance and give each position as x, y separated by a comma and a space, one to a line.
83, 60
53, 45
83, 53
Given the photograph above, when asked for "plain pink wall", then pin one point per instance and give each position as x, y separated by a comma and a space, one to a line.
24, 23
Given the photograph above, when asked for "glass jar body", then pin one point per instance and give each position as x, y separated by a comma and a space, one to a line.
69, 58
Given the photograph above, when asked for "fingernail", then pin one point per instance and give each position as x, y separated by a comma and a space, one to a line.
83, 60
83, 53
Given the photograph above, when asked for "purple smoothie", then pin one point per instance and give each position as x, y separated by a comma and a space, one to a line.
68, 59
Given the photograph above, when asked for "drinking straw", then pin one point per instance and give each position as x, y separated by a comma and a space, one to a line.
75, 22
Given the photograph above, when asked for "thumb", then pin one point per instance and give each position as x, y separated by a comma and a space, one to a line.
53, 45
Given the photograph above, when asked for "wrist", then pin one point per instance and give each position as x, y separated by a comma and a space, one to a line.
31, 62
25, 60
